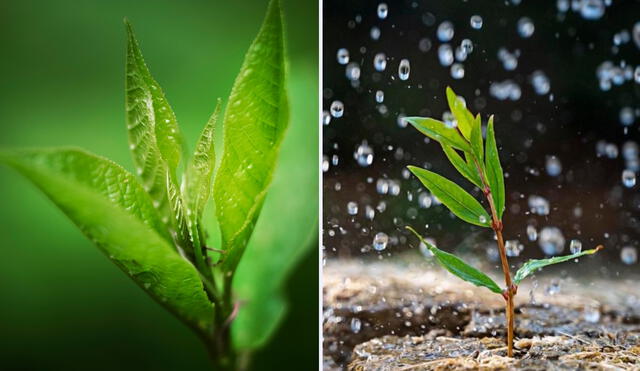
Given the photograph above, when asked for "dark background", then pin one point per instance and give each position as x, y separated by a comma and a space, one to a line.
63, 305
566, 47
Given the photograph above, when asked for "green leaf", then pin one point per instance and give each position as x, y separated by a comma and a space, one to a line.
533, 265
459, 268
287, 228
199, 173
460, 112
476, 139
254, 125
154, 137
462, 204
114, 212
495, 177
440, 132
461, 165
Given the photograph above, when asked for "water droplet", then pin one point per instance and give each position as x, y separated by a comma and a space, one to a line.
538, 205
532, 233
380, 62
553, 166
382, 186
628, 178
364, 154
325, 164
482, 219
424, 200
476, 22
467, 46
627, 116
445, 31
356, 325
575, 246
525, 27
591, 9
445, 55
326, 117
383, 10
540, 82
404, 69
457, 71
353, 71
342, 56
424, 45
374, 33
628, 255
551, 240
337, 109
352, 208
380, 241
513, 248
591, 313
379, 96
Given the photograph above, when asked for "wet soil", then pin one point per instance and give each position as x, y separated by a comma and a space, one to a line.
392, 315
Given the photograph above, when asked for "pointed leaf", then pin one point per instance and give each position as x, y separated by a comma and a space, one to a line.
115, 213
459, 268
254, 124
154, 136
461, 203
460, 112
461, 165
287, 230
495, 177
533, 265
440, 132
476, 139
199, 173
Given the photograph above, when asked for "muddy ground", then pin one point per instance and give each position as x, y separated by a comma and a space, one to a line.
404, 316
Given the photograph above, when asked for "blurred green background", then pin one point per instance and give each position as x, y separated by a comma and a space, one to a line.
63, 305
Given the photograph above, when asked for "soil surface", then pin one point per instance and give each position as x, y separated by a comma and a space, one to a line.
398, 316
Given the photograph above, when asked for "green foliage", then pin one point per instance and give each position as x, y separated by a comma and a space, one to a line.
495, 178
254, 125
115, 213
533, 265
150, 224
462, 204
459, 268
481, 166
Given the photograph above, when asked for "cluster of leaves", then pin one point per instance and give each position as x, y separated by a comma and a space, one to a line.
151, 224
480, 164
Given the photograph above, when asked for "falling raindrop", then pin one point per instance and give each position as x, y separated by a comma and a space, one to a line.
353, 71
551, 240
532, 233
380, 62
445, 55
379, 96
476, 22
457, 71
352, 208
591, 9
513, 248
467, 46
363, 154
540, 82
626, 116
628, 255
343, 56
424, 45
445, 31
424, 200
628, 178
380, 241
553, 166
375, 33
383, 10
575, 246
337, 109
525, 27
356, 325
326, 117
404, 68
538, 205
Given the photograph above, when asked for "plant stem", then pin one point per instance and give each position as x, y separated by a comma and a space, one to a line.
496, 225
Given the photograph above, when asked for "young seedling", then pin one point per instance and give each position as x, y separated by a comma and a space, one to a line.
150, 225
481, 166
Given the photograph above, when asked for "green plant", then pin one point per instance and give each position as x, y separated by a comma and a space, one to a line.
151, 224
481, 166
